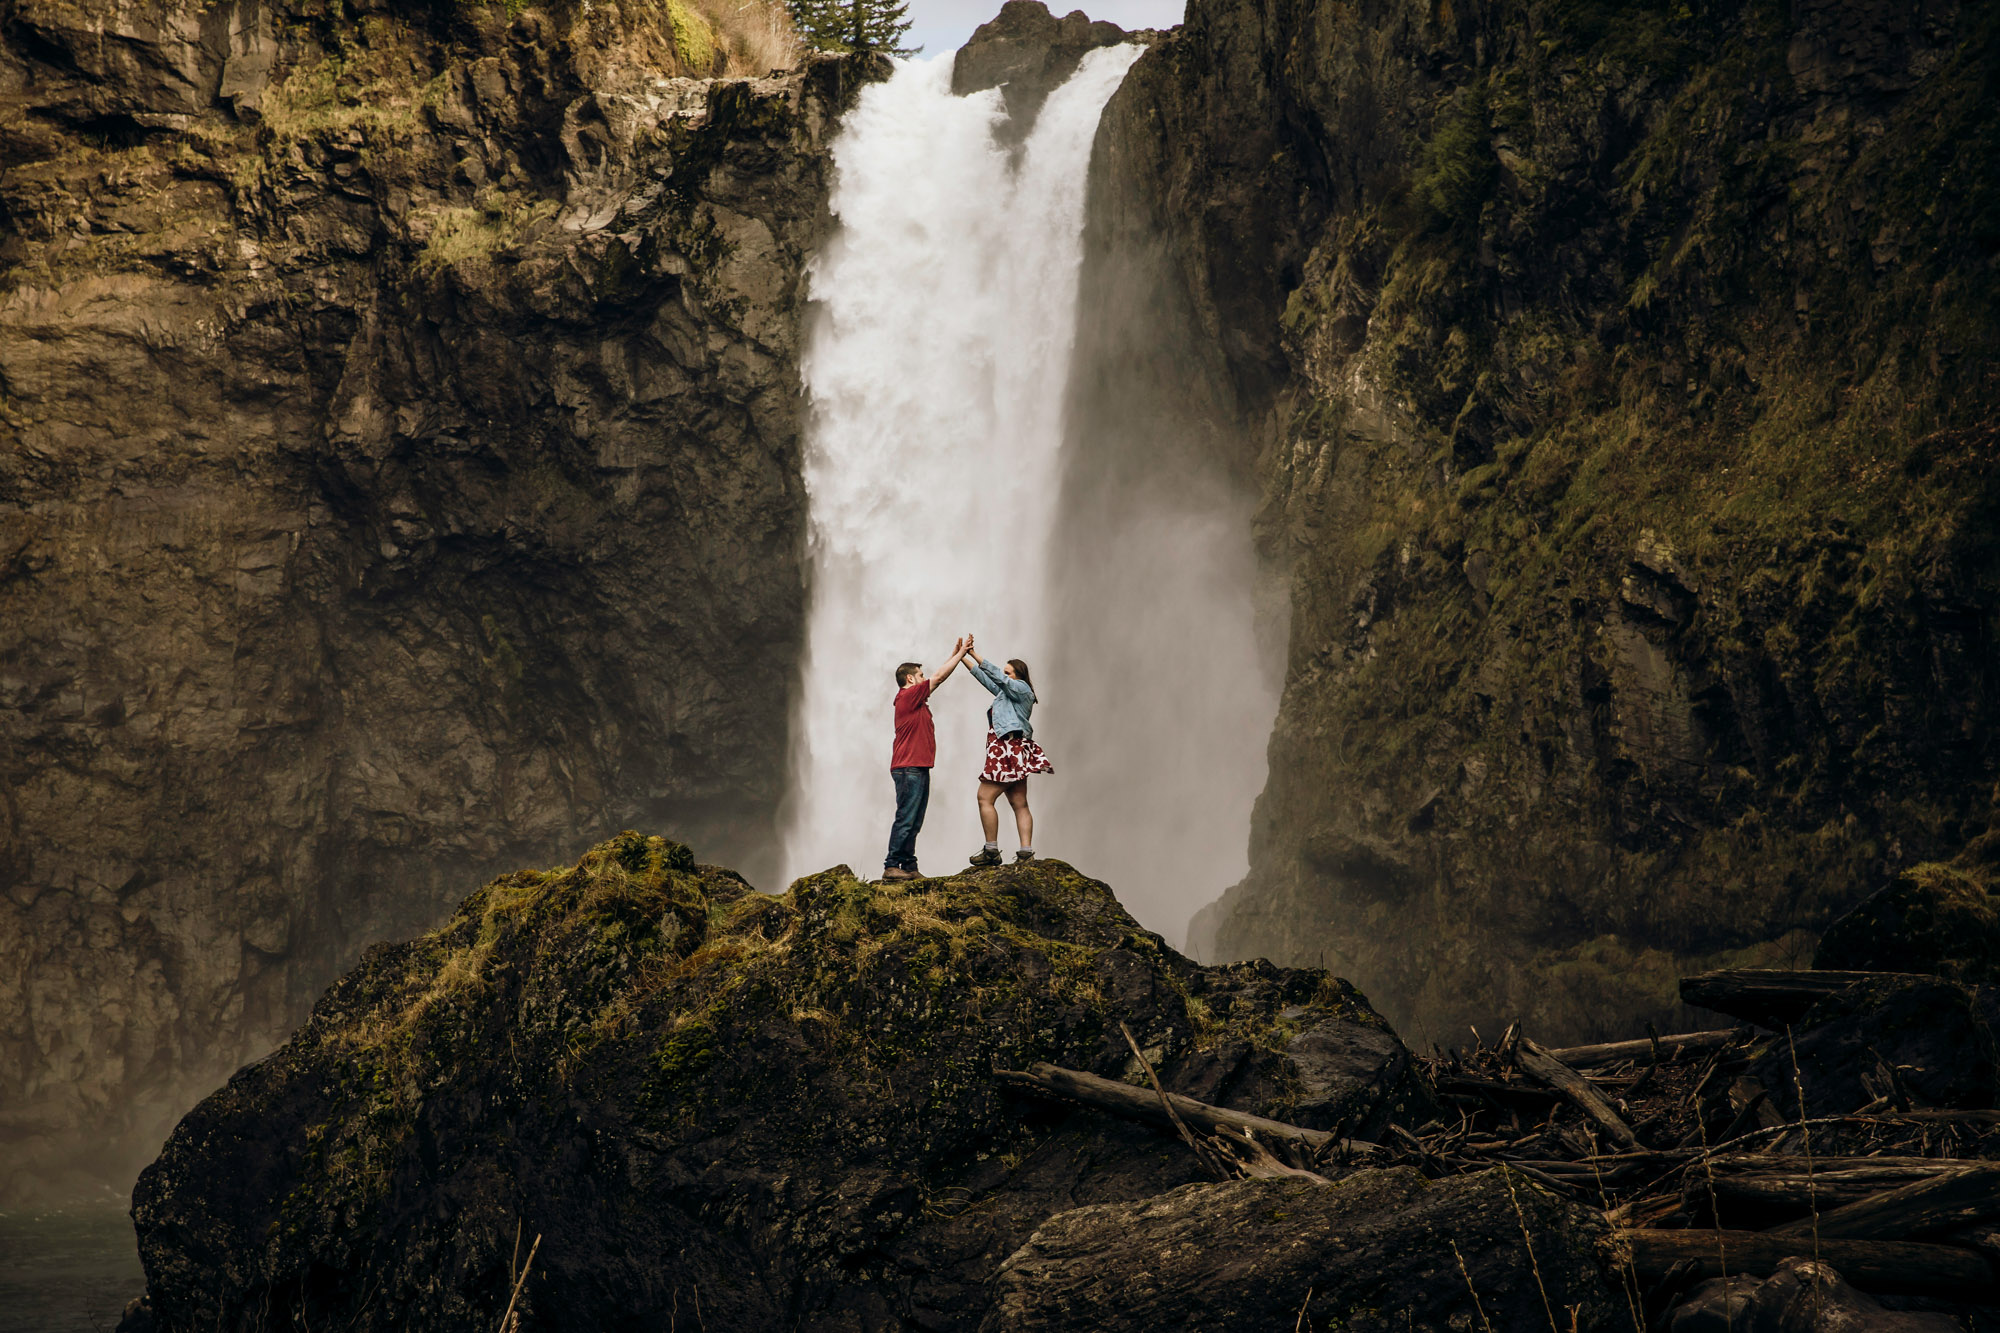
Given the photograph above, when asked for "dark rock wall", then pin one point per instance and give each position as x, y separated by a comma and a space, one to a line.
1616, 384
398, 479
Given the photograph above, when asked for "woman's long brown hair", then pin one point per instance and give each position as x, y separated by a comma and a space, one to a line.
1021, 670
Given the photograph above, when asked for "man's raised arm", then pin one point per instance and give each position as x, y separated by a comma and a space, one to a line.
950, 663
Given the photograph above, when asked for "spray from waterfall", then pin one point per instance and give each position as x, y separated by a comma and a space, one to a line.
938, 367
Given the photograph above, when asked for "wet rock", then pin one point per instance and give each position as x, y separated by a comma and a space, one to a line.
1377, 1250
1926, 1042
1937, 917
1800, 1297
779, 1107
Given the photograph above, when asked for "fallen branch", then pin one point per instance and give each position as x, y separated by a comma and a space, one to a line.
1670, 1048
1073, 1085
1782, 1180
1471, 1085
1958, 1198
508, 1323
1880, 1265
1204, 1154
1539, 1064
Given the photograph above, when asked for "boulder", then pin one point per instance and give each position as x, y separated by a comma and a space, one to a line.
716, 1106
1800, 1297
1377, 1250
1939, 917
1929, 1041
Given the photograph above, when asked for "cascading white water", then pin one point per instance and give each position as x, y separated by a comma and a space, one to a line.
936, 365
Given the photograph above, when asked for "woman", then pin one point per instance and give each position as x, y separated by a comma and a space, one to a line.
1011, 753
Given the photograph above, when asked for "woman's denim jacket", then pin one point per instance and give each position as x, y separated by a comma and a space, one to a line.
1012, 699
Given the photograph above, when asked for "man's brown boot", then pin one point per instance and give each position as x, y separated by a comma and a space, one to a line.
896, 873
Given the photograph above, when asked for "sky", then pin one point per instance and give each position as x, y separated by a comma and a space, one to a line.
943, 25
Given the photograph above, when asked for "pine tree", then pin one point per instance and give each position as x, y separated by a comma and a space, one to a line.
855, 25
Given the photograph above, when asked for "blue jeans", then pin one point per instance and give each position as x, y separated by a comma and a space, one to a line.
913, 794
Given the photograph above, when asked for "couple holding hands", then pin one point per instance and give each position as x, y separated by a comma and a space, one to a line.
1011, 756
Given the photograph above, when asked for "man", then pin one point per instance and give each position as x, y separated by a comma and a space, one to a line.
911, 760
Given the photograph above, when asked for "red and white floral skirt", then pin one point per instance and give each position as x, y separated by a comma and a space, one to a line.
1012, 759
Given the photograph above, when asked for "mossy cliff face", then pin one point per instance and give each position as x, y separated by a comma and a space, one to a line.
398, 480
773, 1111
1618, 383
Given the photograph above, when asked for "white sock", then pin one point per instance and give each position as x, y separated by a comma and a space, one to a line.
1029, 851
992, 846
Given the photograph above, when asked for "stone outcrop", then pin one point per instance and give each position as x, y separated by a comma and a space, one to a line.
1617, 387
721, 1108
1027, 52
398, 481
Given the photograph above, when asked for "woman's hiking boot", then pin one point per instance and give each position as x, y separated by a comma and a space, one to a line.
894, 873
1024, 856
986, 856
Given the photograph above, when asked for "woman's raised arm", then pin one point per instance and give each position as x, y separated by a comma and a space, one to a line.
984, 674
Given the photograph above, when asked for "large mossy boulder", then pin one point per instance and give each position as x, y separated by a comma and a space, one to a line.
718, 1108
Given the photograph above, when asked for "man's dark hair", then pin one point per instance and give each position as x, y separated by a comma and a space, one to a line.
905, 671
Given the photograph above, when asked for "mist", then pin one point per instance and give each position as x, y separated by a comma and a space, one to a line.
1168, 690
1012, 434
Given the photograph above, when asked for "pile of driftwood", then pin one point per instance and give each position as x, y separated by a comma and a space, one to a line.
1698, 1173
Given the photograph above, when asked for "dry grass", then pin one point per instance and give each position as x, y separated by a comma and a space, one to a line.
757, 36
497, 222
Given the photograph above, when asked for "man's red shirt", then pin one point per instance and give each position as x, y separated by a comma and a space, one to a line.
916, 737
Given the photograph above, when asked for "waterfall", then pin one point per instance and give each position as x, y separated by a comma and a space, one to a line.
936, 364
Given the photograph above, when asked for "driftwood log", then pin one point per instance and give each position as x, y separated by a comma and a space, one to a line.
1669, 1048
1540, 1065
1878, 1265
1470, 1085
1074, 1085
1789, 1181
1771, 998
1948, 1200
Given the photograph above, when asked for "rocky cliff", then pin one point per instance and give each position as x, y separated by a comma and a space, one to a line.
1617, 383
398, 480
